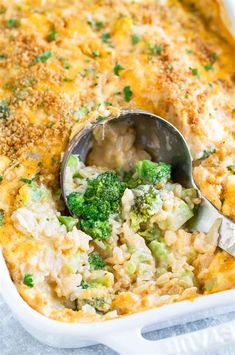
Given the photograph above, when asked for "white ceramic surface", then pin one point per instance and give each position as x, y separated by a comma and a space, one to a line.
124, 334
228, 14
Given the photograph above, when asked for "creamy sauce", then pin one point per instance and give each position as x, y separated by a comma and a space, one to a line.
114, 147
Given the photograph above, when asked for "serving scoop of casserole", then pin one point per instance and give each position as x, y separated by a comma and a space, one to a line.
64, 64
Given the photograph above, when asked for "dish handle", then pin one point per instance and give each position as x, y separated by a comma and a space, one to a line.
208, 339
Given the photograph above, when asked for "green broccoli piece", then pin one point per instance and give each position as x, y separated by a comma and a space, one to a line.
97, 210
100, 230
1, 218
105, 188
101, 198
73, 164
147, 172
68, 221
178, 216
85, 285
75, 203
151, 233
147, 203
96, 262
28, 280
160, 252
4, 109
101, 304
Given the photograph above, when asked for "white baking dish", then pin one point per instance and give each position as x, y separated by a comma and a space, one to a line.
124, 334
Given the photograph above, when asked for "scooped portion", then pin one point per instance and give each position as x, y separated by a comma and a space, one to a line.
143, 197
141, 254
114, 147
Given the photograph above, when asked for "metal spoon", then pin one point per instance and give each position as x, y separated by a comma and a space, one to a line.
164, 143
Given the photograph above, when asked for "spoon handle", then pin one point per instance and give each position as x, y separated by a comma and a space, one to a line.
227, 236
207, 217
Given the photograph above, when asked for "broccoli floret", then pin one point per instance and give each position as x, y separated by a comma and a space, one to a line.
96, 262
75, 202
97, 210
147, 203
68, 221
106, 188
100, 230
147, 172
101, 198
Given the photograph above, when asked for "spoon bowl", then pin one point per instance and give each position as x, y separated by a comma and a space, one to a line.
164, 143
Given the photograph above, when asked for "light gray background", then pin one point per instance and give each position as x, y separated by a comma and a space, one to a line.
14, 340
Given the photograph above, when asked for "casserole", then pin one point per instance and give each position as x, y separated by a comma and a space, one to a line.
171, 309
114, 333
